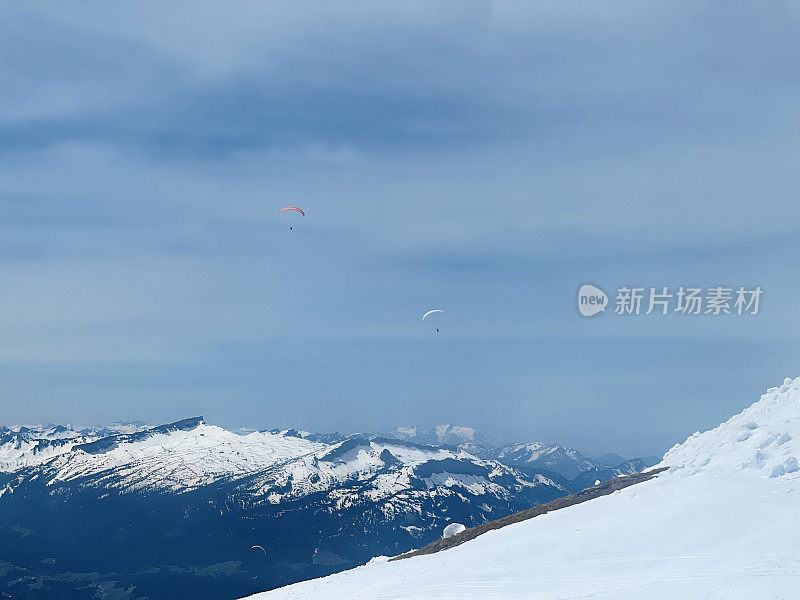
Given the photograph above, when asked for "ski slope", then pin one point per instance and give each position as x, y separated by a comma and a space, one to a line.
723, 523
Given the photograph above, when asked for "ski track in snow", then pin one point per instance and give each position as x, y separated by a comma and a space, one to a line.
723, 523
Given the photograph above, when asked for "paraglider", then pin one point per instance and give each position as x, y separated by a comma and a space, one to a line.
430, 312
297, 208
260, 548
292, 208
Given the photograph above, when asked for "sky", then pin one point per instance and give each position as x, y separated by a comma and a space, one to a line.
485, 158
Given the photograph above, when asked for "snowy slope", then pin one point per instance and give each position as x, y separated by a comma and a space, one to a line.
396, 476
553, 457
721, 523
177, 457
190, 499
182, 460
19, 450
26, 446
272, 466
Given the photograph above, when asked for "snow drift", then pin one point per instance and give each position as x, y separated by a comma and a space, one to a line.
721, 523
453, 529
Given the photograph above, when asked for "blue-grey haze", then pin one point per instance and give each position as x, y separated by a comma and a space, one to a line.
487, 158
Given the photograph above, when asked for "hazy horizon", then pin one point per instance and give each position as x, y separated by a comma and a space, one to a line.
246, 430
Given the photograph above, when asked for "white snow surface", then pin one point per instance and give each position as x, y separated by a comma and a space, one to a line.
278, 465
466, 434
353, 476
722, 523
27, 446
182, 460
174, 460
453, 529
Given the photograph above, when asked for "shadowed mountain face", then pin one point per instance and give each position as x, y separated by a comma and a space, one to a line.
194, 510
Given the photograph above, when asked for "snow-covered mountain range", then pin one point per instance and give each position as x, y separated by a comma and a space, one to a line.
22, 446
721, 522
185, 502
177, 457
552, 459
190, 453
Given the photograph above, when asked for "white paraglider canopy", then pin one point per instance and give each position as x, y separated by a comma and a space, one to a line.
430, 312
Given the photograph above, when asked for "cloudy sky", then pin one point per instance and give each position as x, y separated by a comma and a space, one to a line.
487, 158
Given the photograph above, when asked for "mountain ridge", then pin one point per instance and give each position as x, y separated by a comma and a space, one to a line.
202, 495
542, 457
719, 521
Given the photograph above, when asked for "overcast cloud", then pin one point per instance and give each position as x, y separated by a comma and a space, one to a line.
483, 157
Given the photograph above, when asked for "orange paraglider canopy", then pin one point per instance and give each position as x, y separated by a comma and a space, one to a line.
297, 208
